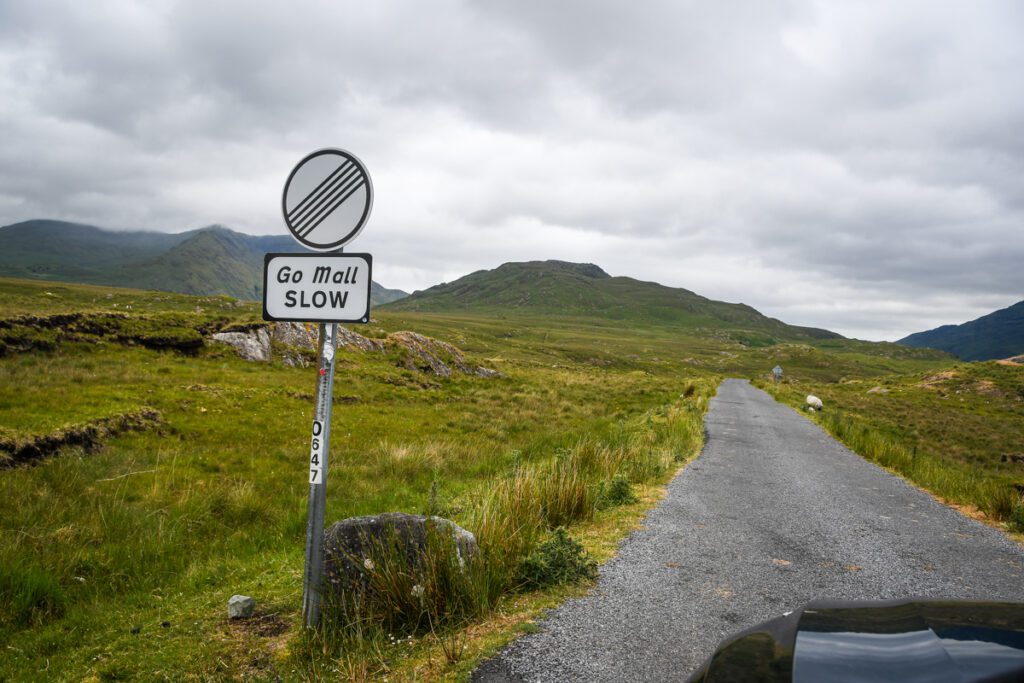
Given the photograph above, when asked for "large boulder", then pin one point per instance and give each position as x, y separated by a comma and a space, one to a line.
351, 544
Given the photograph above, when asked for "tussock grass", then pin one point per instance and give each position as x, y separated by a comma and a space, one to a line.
954, 481
522, 520
167, 523
944, 431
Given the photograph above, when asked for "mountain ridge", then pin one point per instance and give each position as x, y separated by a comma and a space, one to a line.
995, 335
585, 290
209, 260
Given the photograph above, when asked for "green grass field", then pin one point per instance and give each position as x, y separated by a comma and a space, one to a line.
164, 524
161, 523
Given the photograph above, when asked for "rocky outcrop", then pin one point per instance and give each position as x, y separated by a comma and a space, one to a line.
251, 345
301, 335
353, 340
295, 342
419, 352
353, 547
297, 345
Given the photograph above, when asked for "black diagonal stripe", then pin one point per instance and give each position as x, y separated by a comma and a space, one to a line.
309, 197
325, 203
326, 196
320, 197
306, 231
339, 199
314, 193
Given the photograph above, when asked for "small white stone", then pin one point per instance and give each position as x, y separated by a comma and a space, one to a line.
241, 607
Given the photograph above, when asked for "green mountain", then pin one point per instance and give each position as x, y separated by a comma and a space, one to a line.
565, 289
212, 260
997, 335
75, 252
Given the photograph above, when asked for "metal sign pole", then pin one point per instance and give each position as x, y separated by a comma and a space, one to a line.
313, 577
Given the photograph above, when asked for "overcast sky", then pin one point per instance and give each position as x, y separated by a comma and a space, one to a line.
857, 166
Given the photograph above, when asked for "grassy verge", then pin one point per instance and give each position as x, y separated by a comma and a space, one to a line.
436, 620
118, 552
953, 432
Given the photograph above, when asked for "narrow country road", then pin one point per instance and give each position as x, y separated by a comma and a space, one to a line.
773, 514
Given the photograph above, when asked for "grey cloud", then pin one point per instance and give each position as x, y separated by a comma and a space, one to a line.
848, 165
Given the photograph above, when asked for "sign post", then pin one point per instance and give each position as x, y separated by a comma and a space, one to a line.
326, 202
318, 453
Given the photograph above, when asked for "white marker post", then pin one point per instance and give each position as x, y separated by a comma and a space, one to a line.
326, 202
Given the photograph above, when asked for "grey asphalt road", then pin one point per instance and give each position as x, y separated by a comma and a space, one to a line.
773, 514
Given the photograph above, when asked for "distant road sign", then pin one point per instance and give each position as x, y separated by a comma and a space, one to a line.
333, 288
327, 199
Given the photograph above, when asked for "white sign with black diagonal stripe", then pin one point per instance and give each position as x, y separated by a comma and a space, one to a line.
327, 199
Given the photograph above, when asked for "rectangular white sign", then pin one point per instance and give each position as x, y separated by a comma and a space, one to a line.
327, 288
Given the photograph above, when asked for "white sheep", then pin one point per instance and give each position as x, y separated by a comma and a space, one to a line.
813, 403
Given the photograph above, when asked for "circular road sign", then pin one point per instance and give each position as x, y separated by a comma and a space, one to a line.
327, 199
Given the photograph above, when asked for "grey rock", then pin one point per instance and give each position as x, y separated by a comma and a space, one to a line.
417, 352
295, 360
348, 338
253, 345
349, 544
299, 341
426, 354
299, 335
241, 607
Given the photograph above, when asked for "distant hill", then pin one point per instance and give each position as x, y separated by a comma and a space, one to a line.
559, 288
997, 335
211, 260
